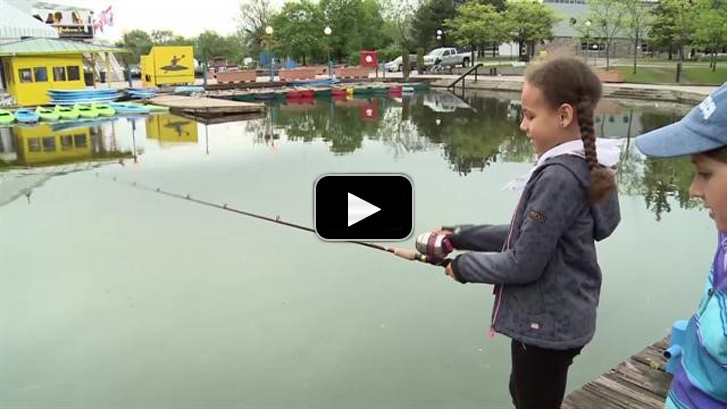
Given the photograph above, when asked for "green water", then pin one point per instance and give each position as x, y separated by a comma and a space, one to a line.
111, 296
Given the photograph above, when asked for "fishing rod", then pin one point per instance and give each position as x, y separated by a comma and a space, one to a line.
407, 254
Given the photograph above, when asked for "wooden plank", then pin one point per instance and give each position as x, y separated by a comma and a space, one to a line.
638, 382
653, 382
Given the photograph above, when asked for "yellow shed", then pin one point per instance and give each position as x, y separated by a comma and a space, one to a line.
43, 145
168, 65
32, 67
171, 129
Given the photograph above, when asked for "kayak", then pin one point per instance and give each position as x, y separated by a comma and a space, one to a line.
27, 116
150, 107
87, 111
103, 109
128, 108
47, 114
6, 117
67, 112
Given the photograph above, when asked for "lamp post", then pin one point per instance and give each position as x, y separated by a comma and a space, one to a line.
269, 32
440, 35
327, 31
588, 30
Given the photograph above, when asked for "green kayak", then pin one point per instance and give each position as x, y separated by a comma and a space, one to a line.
103, 109
67, 112
6, 117
86, 111
47, 114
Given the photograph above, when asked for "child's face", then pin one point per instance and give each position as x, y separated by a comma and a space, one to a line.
710, 185
541, 123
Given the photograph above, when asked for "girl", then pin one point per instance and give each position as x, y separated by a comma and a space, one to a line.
543, 264
700, 381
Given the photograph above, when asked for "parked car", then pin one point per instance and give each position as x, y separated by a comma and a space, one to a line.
447, 56
396, 64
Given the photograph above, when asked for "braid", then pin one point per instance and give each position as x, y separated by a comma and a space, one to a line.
584, 110
602, 180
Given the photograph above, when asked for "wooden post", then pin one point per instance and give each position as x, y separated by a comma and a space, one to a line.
108, 70
94, 71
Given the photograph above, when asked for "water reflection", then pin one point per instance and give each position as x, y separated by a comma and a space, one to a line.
473, 131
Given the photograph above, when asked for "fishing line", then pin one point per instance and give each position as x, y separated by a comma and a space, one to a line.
407, 254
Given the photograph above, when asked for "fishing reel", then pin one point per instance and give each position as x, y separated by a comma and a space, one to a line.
434, 246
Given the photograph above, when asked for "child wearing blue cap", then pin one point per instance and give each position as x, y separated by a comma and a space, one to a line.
700, 381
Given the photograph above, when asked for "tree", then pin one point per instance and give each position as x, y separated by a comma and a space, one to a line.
609, 21
477, 24
139, 43
711, 32
398, 17
299, 30
531, 22
209, 45
672, 26
356, 25
638, 22
253, 17
429, 17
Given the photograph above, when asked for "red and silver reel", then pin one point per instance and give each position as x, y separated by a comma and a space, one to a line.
433, 245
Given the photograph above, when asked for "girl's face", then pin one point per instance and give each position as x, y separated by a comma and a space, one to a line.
545, 127
710, 185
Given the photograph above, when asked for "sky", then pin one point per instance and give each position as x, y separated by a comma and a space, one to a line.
188, 18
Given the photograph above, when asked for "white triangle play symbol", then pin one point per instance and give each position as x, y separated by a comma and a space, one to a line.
359, 209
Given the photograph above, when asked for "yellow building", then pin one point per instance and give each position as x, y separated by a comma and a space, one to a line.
32, 67
168, 65
171, 129
44, 145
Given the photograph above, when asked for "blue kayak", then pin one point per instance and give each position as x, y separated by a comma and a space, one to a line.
27, 116
122, 108
181, 90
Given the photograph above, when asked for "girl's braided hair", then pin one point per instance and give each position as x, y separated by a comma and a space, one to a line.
567, 80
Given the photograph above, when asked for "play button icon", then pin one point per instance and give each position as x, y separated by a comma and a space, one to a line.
359, 209
366, 207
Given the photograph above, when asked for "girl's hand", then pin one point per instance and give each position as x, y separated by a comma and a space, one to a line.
440, 230
448, 270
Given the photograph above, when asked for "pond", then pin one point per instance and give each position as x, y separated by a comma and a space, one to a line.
115, 296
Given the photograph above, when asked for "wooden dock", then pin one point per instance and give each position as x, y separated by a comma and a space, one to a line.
207, 106
639, 382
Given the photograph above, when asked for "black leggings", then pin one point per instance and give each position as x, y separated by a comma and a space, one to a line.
539, 375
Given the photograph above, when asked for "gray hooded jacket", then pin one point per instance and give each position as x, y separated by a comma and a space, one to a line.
549, 274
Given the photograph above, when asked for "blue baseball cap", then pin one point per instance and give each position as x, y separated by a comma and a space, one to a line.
702, 130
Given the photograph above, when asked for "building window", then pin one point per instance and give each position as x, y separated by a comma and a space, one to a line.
74, 74
66, 142
80, 140
26, 75
59, 74
34, 144
41, 74
49, 144
595, 46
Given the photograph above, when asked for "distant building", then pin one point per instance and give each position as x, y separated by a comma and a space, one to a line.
577, 12
71, 22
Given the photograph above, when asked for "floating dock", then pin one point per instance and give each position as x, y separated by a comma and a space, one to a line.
639, 382
207, 106
210, 110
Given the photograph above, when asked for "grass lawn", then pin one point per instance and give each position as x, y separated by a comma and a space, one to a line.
667, 75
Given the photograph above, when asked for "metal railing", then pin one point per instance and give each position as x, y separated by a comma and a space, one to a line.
463, 76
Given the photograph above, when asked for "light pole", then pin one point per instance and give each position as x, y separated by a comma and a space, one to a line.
588, 30
327, 31
440, 35
269, 32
